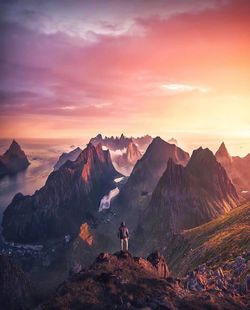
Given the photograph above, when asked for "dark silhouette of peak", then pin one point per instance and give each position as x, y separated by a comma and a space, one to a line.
13, 160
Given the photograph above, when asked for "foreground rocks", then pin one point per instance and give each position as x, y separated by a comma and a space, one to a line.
121, 281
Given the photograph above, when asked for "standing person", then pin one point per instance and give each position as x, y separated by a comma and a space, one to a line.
123, 235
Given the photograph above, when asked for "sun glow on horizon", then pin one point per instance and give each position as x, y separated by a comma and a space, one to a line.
175, 69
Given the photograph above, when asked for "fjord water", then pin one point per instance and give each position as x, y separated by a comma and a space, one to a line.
42, 155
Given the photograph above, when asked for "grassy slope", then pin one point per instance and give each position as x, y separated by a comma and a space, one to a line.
219, 240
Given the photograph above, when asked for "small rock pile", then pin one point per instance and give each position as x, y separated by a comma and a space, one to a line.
232, 278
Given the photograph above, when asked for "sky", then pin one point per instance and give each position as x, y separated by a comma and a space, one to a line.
72, 69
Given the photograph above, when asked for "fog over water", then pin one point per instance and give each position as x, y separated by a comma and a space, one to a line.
42, 154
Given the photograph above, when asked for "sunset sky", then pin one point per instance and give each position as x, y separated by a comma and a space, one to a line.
72, 69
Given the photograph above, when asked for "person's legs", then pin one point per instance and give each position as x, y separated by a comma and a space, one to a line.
121, 244
126, 244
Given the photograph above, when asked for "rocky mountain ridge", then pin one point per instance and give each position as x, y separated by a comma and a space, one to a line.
185, 197
72, 156
71, 194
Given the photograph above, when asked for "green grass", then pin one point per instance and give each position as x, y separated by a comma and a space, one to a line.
220, 240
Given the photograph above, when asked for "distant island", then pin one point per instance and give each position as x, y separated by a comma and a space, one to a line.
13, 160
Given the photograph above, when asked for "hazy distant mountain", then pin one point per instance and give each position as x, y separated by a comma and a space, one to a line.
112, 143
124, 151
72, 156
142, 142
136, 192
119, 143
187, 197
125, 162
70, 195
13, 160
236, 167
173, 141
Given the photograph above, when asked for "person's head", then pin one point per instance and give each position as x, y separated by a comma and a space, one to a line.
123, 224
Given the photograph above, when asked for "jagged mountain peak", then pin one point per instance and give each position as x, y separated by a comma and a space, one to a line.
202, 155
14, 148
223, 155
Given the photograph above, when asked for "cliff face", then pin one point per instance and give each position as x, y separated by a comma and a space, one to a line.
13, 160
15, 289
70, 196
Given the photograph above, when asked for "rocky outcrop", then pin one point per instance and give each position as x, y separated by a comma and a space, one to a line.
13, 160
15, 289
120, 281
159, 263
72, 156
70, 197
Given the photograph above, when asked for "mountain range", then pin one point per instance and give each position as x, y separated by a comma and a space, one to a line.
186, 207
136, 192
70, 195
186, 197
124, 151
13, 160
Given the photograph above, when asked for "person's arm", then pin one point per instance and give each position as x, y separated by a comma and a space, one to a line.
127, 233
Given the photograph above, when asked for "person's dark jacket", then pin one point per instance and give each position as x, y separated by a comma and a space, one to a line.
123, 232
